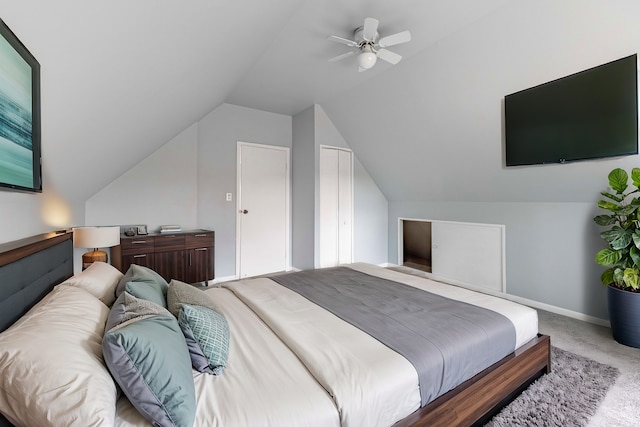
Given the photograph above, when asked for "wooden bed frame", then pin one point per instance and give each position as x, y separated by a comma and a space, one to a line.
472, 403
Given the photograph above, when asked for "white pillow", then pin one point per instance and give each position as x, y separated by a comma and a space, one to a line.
99, 279
51, 367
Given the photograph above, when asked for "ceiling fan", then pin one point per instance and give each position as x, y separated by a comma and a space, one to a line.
370, 45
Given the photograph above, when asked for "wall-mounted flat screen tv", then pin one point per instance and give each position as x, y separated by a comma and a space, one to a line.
20, 163
588, 115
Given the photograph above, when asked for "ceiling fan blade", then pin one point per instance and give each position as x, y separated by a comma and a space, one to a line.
390, 57
370, 29
343, 41
339, 57
394, 39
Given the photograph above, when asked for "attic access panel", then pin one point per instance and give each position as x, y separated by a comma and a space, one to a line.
466, 254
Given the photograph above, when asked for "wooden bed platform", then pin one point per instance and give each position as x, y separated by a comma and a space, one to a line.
475, 401
472, 403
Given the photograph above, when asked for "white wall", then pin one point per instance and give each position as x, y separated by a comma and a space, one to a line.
369, 204
24, 214
185, 182
431, 136
218, 135
161, 189
549, 256
370, 217
303, 190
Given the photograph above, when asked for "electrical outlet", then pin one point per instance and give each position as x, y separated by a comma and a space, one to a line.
229, 197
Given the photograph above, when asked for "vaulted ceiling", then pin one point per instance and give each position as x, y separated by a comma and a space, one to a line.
120, 78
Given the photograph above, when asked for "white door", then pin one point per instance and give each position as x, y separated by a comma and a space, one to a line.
263, 209
336, 206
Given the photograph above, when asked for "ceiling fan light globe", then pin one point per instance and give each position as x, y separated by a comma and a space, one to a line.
367, 60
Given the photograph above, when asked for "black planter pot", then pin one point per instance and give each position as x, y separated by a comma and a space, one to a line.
624, 314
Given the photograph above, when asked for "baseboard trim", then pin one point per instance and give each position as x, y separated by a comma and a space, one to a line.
558, 310
529, 302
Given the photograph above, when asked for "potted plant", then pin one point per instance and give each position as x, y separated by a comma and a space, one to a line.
622, 255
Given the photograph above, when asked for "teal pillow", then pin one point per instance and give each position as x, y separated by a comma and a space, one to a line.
148, 357
149, 291
207, 336
139, 273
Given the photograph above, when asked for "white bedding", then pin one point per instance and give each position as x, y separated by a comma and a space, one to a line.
291, 363
264, 383
371, 384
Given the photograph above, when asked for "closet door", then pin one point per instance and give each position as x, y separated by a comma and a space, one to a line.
336, 206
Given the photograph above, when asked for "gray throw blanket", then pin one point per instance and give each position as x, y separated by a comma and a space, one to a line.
447, 341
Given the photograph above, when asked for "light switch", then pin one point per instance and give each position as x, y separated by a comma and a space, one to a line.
229, 197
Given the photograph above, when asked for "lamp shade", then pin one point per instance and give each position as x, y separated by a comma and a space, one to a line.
96, 237
367, 58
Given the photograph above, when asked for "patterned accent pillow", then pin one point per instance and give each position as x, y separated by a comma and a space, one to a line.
207, 335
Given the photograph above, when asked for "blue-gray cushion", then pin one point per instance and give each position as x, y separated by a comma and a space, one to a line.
148, 357
139, 273
207, 335
116, 314
150, 291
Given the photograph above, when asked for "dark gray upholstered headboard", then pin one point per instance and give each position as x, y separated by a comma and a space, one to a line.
29, 269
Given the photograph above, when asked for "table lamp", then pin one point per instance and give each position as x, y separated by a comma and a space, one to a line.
95, 237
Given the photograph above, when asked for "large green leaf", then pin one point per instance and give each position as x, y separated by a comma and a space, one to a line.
626, 210
610, 206
611, 196
635, 176
605, 219
636, 238
631, 278
607, 277
618, 237
608, 257
618, 180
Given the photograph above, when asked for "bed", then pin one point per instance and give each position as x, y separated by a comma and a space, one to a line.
291, 362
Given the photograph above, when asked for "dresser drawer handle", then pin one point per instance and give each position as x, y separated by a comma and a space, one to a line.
140, 256
138, 242
200, 235
201, 249
170, 237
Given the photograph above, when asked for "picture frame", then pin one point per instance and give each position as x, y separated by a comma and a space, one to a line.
20, 122
142, 230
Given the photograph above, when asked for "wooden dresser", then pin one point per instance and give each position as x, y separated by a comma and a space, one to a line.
186, 256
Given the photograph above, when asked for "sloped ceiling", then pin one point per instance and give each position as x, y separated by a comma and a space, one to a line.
121, 78
432, 129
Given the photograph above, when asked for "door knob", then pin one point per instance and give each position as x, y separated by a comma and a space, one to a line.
244, 211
